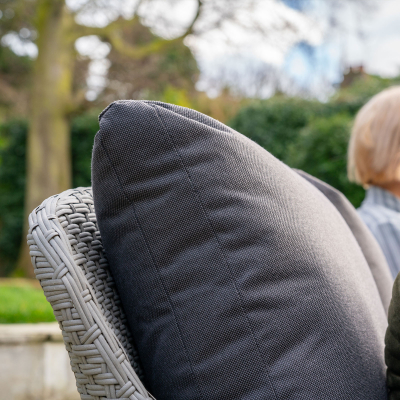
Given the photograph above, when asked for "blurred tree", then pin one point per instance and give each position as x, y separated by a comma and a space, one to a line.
14, 80
142, 63
170, 69
53, 96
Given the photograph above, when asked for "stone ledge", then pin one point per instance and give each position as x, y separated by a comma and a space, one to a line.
30, 333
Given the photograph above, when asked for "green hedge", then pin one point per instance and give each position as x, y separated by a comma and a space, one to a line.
12, 187
83, 131
320, 149
309, 135
12, 178
275, 123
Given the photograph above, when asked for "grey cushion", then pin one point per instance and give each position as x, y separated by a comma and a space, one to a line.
368, 244
240, 280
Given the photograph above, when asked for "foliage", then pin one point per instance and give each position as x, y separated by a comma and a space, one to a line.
171, 70
51, 29
309, 135
12, 178
12, 187
83, 130
353, 97
23, 303
222, 108
176, 96
281, 117
320, 149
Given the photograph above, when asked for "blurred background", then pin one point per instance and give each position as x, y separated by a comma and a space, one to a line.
289, 74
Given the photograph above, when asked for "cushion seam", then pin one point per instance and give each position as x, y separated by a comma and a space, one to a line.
156, 266
106, 110
196, 192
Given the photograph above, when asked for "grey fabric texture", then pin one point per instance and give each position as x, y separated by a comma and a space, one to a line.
369, 246
239, 279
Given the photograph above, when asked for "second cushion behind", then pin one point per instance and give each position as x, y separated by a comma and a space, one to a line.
368, 244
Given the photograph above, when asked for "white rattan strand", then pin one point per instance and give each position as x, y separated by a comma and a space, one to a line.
69, 261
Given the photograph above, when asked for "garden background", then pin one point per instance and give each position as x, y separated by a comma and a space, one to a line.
62, 62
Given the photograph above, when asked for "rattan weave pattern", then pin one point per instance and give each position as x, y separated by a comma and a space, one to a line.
69, 261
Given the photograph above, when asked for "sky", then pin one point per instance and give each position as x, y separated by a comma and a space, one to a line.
326, 38
314, 58
368, 38
298, 46
379, 52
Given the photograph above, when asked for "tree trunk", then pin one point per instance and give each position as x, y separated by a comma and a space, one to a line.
48, 155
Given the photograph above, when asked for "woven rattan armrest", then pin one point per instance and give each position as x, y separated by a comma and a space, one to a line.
69, 261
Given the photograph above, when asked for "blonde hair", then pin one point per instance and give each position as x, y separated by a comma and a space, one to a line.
374, 148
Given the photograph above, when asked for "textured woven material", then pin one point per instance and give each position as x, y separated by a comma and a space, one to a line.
67, 255
369, 246
240, 280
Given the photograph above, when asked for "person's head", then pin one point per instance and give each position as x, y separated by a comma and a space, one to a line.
374, 148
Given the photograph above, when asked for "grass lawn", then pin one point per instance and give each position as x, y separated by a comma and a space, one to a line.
23, 301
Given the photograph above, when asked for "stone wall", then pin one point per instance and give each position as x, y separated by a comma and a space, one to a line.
34, 364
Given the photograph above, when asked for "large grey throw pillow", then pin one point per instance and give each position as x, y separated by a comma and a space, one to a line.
239, 279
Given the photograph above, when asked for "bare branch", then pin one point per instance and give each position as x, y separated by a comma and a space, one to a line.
76, 102
189, 30
138, 4
113, 34
83, 30
137, 52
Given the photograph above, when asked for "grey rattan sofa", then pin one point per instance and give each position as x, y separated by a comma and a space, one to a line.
68, 258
